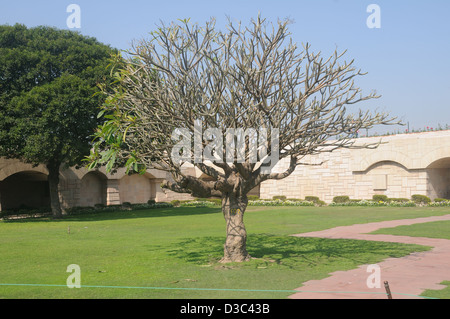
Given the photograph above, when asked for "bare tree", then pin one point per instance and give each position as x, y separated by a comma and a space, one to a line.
247, 79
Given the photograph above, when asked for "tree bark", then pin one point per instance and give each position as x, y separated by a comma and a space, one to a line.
53, 183
235, 248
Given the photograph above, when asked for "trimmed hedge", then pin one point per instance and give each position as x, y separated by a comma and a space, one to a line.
375, 203
341, 199
175, 202
112, 208
399, 200
313, 199
278, 202
380, 198
420, 199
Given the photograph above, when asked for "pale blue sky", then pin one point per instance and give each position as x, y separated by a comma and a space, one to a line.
407, 59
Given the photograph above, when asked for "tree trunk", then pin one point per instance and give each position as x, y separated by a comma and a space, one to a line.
53, 183
235, 248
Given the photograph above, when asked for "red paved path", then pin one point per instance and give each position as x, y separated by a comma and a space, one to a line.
408, 276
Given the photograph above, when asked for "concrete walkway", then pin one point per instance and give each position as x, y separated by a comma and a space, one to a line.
408, 276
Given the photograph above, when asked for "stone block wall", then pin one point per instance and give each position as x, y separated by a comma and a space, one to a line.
403, 165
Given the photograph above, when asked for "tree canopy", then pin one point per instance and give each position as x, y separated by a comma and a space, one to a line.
192, 85
48, 96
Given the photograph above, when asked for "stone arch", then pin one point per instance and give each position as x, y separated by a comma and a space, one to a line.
383, 156
436, 155
385, 162
438, 175
24, 189
137, 188
93, 189
18, 167
392, 179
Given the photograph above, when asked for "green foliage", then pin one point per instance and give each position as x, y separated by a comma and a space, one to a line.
25, 212
280, 197
341, 199
420, 199
48, 86
440, 200
440, 203
110, 146
313, 199
79, 210
198, 203
380, 198
126, 205
372, 203
278, 202
320, 203
216, 201
399, 200
175, 203
253, 197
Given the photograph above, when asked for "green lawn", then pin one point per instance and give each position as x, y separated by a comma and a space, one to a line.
179, 248
440, 229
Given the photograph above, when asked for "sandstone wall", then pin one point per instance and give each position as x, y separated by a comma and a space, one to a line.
402, 166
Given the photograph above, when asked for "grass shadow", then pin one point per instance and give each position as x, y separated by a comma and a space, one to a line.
116, 215
293, 252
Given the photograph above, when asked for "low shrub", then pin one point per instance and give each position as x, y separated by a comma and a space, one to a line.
197, 203
253, 197
151, 202
398, 200
216, 201
127, 206
313, 199
402, 204
440, 202
375, 203
341, 199
25, 212
420, 199
380, 198
140, 206
320, 203
281, 197
175, 203
81, 210
278, 202
86, 209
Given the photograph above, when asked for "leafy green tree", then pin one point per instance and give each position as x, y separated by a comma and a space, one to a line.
49, 97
